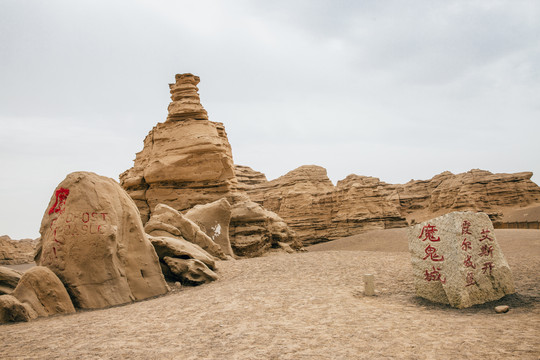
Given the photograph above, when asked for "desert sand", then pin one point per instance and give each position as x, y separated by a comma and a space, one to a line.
306, 305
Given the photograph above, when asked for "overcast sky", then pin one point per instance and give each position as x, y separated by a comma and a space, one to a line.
398, 90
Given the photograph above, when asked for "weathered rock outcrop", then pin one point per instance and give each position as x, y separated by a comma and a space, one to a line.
16, 251
456, 260
253, 230
9, 279
248, 178
365, 203
214, 220
186, 103
43, 291
190, 271
179, 248
187, 161
303, 198
93, 240
166, 221
184, 261
475, 190
318, 211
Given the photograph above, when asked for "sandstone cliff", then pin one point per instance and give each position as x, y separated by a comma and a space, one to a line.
475, 190
318, 211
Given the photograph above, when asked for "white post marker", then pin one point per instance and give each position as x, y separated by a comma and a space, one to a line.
369, 285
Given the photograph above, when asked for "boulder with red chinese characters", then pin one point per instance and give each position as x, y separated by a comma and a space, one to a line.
93, 240
457, 260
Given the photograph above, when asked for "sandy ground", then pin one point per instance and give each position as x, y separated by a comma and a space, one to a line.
303, 306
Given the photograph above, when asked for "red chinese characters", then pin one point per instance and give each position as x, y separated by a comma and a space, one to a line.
431, 253
470, 279
486, 250
465, 227
468, 262
428, 232
485, 235
434, 275
466, 245
488, 266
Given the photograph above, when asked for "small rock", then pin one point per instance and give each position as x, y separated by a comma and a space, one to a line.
502, 309
285, 247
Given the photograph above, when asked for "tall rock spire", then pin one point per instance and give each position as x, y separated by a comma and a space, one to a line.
185, 103
187, 161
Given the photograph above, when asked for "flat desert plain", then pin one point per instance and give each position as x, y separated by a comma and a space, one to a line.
306, 305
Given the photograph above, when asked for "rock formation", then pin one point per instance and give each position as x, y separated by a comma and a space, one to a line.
190, 271
93, 240
456, 260
9, 279
187, 161
364, 203
179, 248
12, 310
166, 221
41, 289
186, 103
16, 251
475, 190
253, 230
184, 261
318, 211
248, 178
214, 220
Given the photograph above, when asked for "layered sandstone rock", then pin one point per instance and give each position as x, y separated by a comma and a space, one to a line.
186, 103
303, 198
365, 203
187, 161
16, 251
318, 211
248, 178
475, 190
93, 240
457, 260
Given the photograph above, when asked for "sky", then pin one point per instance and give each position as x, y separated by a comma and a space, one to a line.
397, 90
